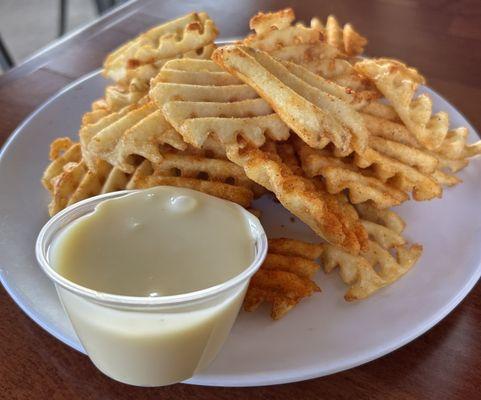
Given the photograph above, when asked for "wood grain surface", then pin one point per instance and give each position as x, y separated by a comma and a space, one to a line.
440, 37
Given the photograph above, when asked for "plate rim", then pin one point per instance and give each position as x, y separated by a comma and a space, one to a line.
267, 378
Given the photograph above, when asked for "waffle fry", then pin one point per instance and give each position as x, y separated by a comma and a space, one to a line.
398, 83
92, 125
401, 175
452, 156
135, 63
375, 267
139, 132
359, 272
455, 146
386, 218
380, 110
275, 34
72, 181
148, 175
62, 152
357, 99
201, 101
117, 97
204, 168
139, 60
316, 116
69, 180
325, 61
347, 40
287, 154
76, 182
315, 207
340, 175
275, 30
393, 160
139, 77
91, 117
285, 278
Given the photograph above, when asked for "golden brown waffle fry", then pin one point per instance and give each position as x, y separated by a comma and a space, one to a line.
139, 132
134, 86
396, 171
117, 97
295, 248
325, 61
76, 183
360, 273
211, 148
139, 77
203, 168
275, 30
140, 59
358, 99
102, 145
148, 175
455, 146
276, 35
62, 152
452, 156
368, 212
91, 117
287, 154
263, 23
201, 101
69, 179
398, 83
380, 110
285, 278
375, 267
393, 157
91, 126
421, 160
316, 116
122, 137
346, 40
315, 207
341, 174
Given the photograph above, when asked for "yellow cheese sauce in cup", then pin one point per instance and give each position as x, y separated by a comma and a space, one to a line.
152, 280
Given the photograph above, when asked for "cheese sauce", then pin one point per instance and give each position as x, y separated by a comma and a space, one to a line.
158, 242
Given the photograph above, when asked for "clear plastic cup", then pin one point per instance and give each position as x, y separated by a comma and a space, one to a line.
148, 341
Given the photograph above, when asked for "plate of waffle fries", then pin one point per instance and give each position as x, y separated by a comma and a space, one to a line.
363, 177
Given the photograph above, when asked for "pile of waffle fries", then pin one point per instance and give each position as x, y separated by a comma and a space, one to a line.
291, 109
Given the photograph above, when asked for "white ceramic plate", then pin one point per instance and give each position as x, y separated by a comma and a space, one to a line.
324, 334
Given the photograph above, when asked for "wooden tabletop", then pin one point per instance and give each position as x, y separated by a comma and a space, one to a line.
441, 38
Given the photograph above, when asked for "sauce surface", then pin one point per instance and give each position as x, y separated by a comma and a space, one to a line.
156, 242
